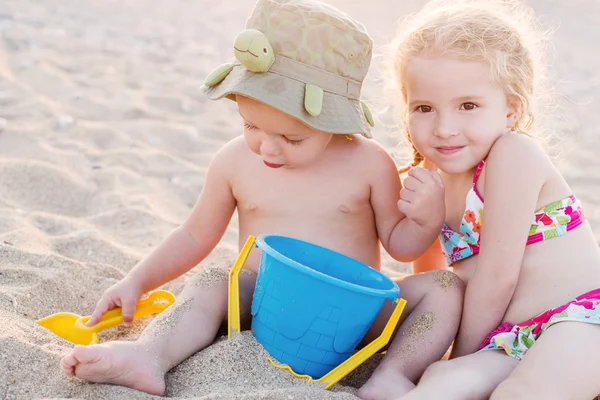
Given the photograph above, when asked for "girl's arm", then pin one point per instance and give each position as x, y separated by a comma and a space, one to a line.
514, 176
191, 242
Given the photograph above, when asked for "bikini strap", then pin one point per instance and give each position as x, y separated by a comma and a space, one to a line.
478, 171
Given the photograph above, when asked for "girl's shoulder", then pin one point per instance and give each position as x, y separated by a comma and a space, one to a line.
517, 158
518, 150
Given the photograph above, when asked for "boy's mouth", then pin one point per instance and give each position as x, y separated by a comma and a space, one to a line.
271, 165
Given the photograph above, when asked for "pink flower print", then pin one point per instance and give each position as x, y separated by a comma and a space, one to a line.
586, 304
457, 249
544, 219
447, 233
568, 210
456, 256
505, 327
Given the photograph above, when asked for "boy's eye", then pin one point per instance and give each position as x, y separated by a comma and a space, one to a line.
248, 126
293, 142
468, 106
424, 109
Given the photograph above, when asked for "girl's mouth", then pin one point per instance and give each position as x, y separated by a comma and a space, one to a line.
447, 150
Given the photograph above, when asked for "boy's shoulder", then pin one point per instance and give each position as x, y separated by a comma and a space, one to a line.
369, 148
230, 155
232, 150
373, 157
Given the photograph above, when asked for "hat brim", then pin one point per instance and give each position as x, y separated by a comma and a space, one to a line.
339, 114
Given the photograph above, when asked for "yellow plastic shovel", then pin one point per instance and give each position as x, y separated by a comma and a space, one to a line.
338, 372
72, 328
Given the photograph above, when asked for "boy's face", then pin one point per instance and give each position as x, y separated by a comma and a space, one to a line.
455, 111
281, 141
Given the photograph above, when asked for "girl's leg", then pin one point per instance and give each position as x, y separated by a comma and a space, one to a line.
471, 377
426, 329
186, 327
562, 364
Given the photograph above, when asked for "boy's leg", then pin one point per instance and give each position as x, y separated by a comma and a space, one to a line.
472, 377
426, 329
562, 364
186, 327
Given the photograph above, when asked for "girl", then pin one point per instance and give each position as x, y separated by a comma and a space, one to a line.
468, 74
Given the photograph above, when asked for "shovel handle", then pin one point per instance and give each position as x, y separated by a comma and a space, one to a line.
156, 302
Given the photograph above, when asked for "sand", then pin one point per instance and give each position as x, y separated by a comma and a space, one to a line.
105, 139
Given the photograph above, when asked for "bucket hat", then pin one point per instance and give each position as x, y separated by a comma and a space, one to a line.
304, 58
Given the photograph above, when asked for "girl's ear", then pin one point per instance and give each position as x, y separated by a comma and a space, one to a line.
514, 111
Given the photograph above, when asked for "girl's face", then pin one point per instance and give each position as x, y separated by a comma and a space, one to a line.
455, 112
281, 141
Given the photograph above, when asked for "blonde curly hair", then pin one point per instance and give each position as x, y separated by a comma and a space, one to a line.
502, 33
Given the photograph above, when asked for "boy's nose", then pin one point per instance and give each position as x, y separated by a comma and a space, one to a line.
269, 146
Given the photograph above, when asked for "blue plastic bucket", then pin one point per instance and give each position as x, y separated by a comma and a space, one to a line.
313, 306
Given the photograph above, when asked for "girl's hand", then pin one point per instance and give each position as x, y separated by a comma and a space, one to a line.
422, 198
125, 294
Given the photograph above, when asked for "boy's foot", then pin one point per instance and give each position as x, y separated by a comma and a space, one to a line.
385, 384
119, 363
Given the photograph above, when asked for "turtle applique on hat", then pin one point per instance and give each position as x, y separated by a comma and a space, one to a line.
304, 58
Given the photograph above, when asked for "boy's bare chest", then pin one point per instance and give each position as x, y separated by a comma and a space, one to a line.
275, 193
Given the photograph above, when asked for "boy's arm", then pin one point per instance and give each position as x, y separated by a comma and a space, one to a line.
191, 242
433, 258
403, 238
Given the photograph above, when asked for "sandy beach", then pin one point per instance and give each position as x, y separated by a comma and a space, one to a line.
105, 138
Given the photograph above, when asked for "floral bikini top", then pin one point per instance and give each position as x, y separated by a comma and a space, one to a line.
550, 221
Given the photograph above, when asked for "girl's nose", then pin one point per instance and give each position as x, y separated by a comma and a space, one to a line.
445, 126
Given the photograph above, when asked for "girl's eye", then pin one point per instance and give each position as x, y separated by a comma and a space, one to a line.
468, 106
293, 142
424, 109
248, 126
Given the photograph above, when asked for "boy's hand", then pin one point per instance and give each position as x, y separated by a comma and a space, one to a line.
124, 294
422, 198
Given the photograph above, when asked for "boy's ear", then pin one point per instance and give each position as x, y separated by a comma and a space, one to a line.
515, 110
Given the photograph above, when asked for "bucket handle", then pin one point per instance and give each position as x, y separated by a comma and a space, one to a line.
333, 376
233, 303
